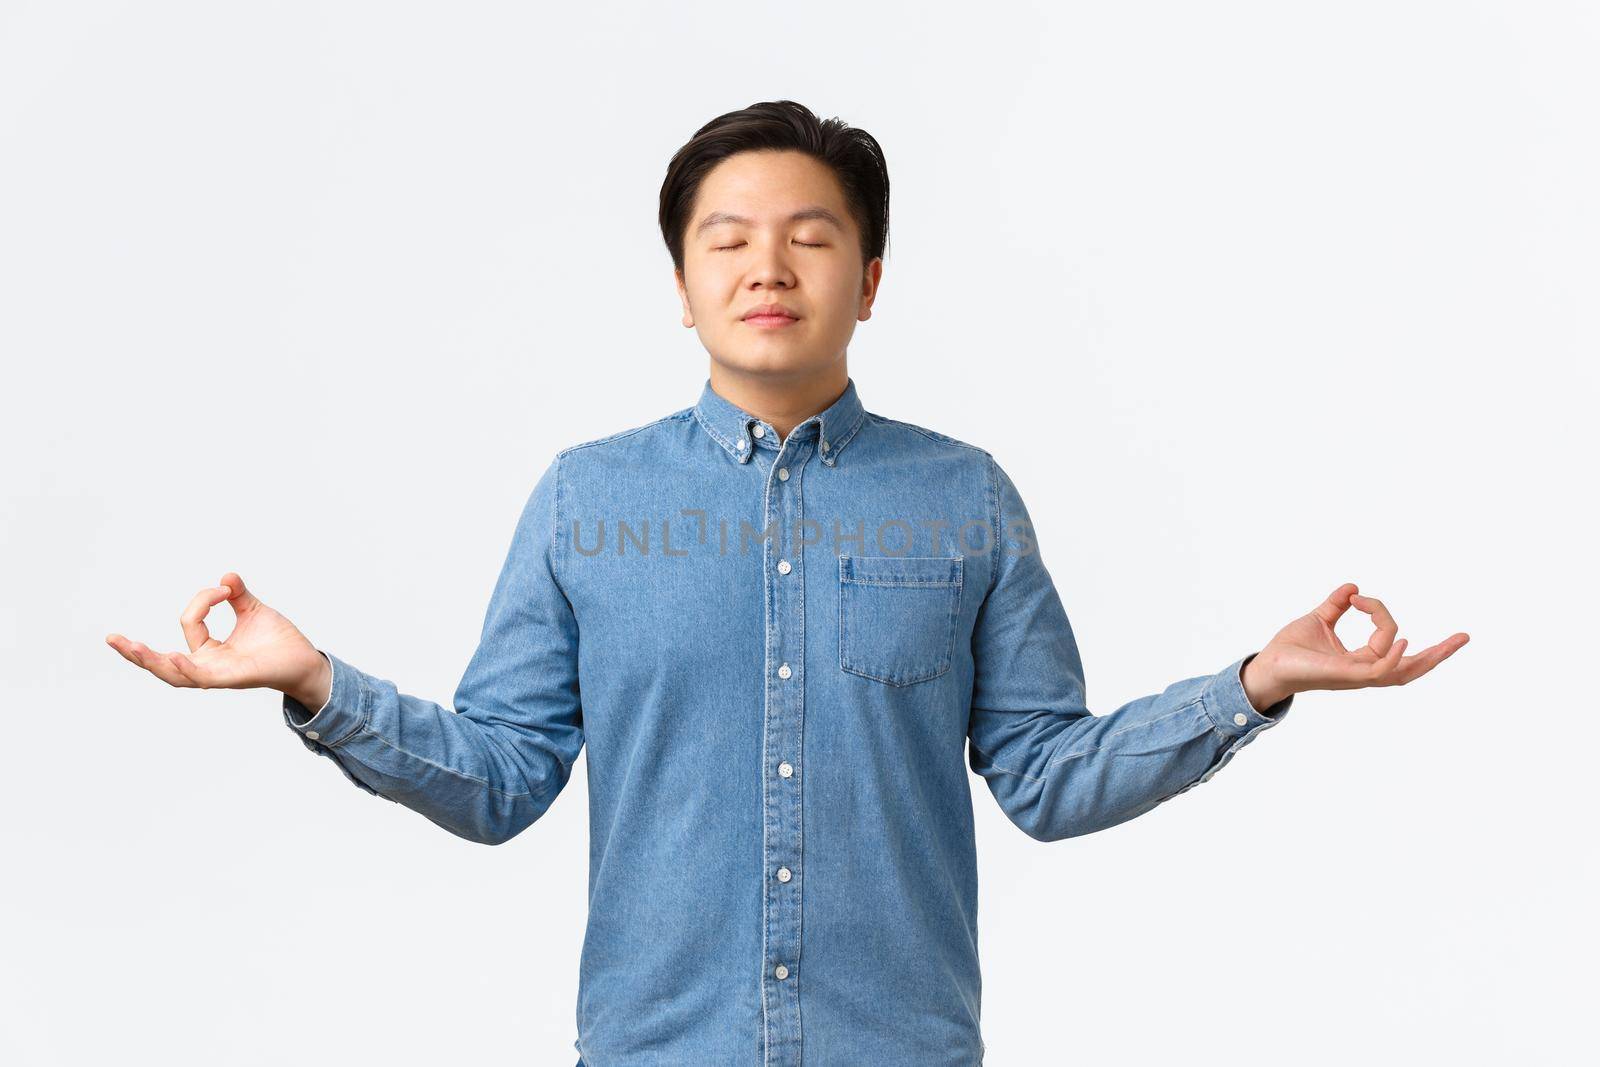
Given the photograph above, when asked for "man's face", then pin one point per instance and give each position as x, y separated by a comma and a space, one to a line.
810, 264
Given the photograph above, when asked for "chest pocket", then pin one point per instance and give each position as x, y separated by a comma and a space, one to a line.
897, 616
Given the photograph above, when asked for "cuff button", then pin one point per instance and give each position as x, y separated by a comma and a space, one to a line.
312, 734
1239, 719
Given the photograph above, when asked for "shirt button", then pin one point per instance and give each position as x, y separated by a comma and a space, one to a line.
784, 671
1240, 719
783, 566
739, 444
783, 874
824, 446
780, 972
312, 734
784, 770
783, 474
760, 430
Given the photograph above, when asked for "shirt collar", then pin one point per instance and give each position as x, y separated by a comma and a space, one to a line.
733, 428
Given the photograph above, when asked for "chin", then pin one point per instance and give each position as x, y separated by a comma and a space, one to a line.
768, 358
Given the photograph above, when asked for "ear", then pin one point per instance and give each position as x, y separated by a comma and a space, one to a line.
870, 280
683, 296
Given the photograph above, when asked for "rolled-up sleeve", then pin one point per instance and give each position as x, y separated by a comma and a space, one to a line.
1056, 769
490, 765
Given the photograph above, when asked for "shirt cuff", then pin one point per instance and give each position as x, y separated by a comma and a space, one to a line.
1229, 708
341, 716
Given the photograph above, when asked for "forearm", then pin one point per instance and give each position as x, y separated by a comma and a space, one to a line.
1065, 774
482, 780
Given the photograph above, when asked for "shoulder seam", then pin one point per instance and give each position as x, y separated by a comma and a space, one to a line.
932, 435
620, 434
555, 532
993, 488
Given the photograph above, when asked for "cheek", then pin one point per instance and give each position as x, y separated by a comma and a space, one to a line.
712, 286
846, 282
843, 297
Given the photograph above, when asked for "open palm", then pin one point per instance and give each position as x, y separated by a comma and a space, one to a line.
265, 649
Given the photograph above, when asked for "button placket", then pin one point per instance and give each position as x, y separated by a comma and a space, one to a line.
783, 732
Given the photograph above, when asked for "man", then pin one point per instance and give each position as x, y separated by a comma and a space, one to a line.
780, 622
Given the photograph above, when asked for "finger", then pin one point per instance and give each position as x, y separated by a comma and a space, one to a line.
187, 667
1333, 608
1381, 672
193, 619
157, 664
1387, 628
239, 598
1414, 667
124, 648
1358, 669
1337, 604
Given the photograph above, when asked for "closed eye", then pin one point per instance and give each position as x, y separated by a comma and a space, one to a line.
726, 248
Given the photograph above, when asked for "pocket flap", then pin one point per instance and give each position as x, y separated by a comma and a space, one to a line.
901, 570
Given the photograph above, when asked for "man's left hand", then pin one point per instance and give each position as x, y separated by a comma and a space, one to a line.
1307, 654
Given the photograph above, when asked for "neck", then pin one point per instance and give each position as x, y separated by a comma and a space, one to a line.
784, 401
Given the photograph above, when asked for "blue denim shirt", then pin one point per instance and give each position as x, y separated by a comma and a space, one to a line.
783, 655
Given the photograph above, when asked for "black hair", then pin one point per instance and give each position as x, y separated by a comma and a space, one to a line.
853, 155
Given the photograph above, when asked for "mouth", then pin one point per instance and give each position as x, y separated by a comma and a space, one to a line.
769, 322
772, 315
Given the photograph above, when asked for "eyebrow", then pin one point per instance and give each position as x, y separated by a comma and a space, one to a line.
716, 218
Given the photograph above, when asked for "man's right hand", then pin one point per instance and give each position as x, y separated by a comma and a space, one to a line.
264, 651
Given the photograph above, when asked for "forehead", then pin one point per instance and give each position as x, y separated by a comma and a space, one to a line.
768, 186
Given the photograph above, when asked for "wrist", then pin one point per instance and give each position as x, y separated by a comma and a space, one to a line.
314, 685
1260, 687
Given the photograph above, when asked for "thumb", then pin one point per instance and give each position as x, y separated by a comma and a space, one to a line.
240, 599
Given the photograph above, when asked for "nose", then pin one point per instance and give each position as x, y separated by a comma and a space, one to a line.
773, 271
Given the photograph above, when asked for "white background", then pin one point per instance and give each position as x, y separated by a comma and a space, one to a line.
1249, 299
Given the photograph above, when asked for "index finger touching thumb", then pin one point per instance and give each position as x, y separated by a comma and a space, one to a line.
239, 598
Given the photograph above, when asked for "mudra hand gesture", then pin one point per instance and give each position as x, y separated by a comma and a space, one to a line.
1307, 654
265, 649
